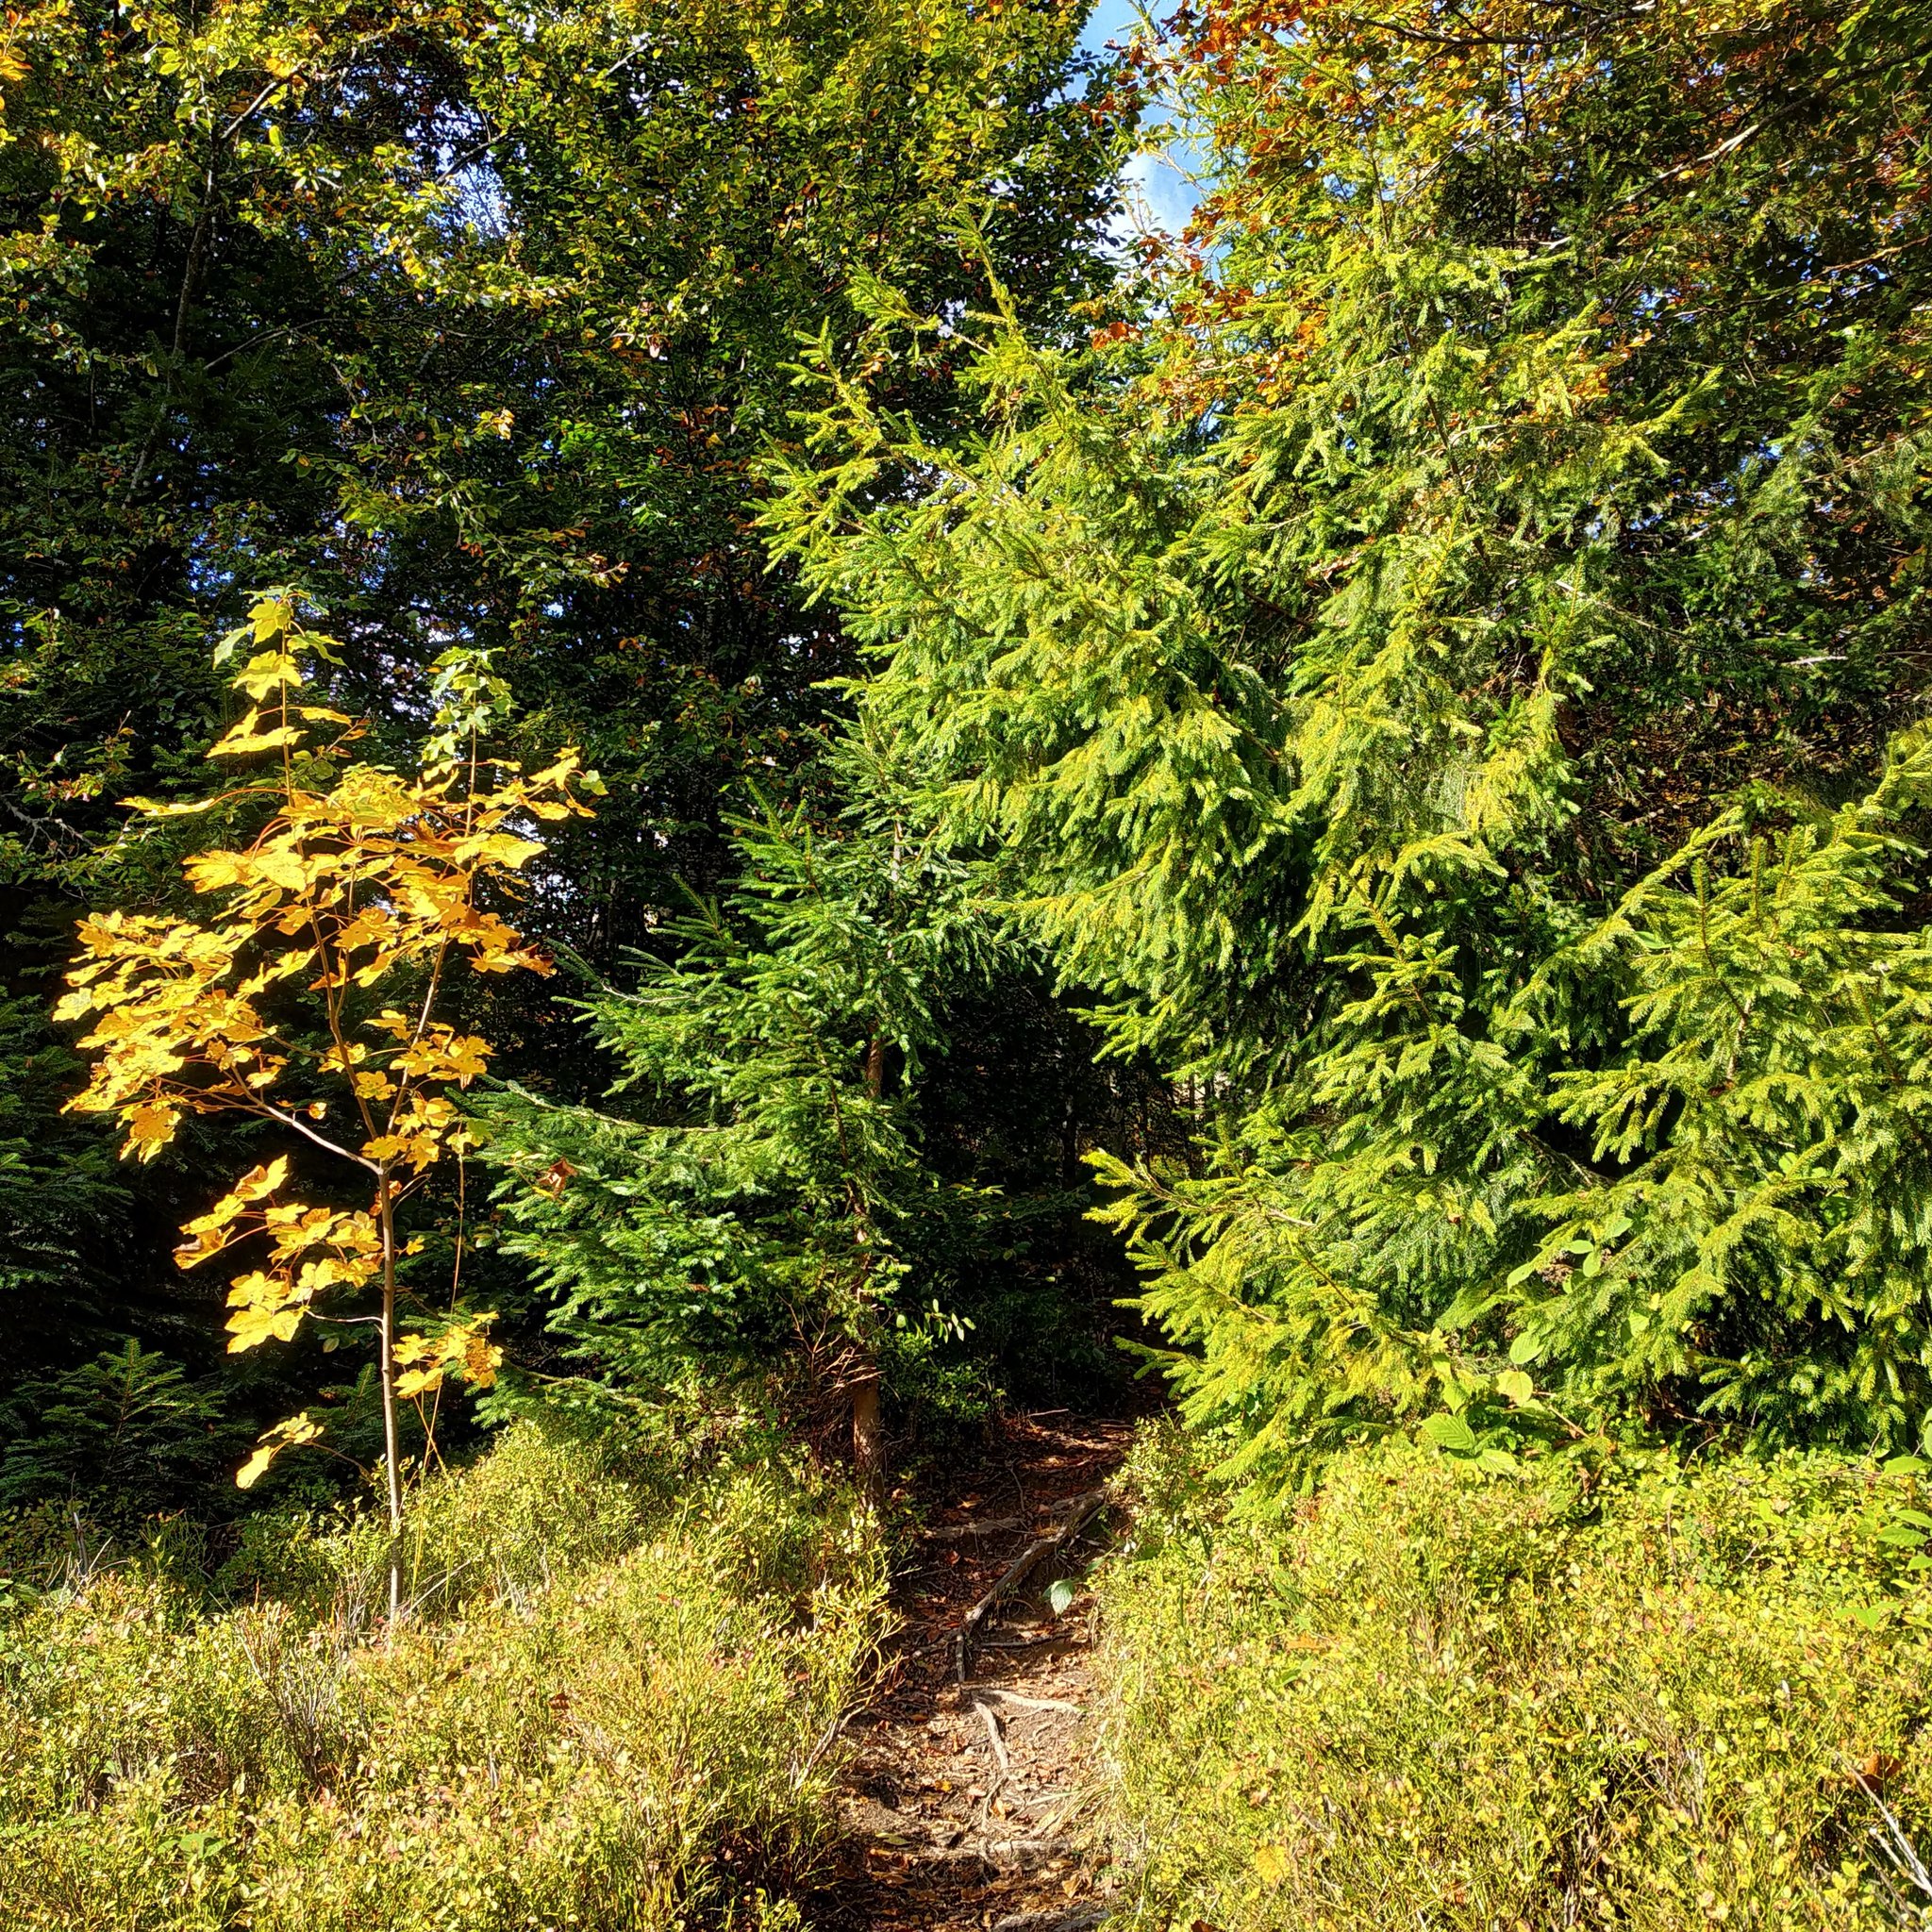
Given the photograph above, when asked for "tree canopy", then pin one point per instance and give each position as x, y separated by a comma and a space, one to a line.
1375, 743
465, 324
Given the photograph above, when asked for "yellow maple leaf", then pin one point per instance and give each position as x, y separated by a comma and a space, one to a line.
481, 1360
250, 1327
270, 671
150, 1127
214, 872
468, 1056
497, 848
267, 1307
558, 776
289, 1435
283, 866
271, 970
458, 1056
420, 1361
212, 1229
163, 808
259, 1183
315, 1278
464, 1349
244, 739
372, 927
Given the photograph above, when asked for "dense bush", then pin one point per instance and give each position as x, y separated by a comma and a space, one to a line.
602, 1709
1437, 1697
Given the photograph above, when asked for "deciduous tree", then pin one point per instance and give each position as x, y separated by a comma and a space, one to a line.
313, 999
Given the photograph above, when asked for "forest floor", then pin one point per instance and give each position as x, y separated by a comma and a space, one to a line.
970, 1774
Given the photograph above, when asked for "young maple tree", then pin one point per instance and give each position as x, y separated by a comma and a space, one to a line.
310, 999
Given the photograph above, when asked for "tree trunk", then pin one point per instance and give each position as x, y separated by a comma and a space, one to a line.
868, 1437
391, 1447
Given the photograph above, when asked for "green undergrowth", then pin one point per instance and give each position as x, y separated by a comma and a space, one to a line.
1682, 1695
601, 1711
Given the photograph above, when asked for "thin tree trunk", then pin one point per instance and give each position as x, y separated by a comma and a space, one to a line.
868, 1437
392, 1448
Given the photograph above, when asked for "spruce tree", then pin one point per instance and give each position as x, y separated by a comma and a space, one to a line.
748, 1206
1447, 658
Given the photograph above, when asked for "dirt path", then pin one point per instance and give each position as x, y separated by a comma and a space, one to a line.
963, 1797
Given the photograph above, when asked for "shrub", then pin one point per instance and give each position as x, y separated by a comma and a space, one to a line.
602, 1710
1442, 1698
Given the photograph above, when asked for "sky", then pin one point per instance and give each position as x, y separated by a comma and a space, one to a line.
1158, 192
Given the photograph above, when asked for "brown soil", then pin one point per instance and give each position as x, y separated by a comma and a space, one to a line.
966, 1802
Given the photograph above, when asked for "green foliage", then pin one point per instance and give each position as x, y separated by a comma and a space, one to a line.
1438, 1697
601, 1713
465, 324
58, 1191
1433, 663
461, 311
771, 1197
121, 1436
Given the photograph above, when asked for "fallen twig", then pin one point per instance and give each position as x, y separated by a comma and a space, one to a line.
994, 1786
992, 1527
1081, 1502
1897, 1848
1027, 1703
1053, 1646
825, 1744
1079, 1509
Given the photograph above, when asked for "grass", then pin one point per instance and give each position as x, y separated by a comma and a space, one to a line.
602, 1710
1437, 1698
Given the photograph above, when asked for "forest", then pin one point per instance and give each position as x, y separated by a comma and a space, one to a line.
965, 965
